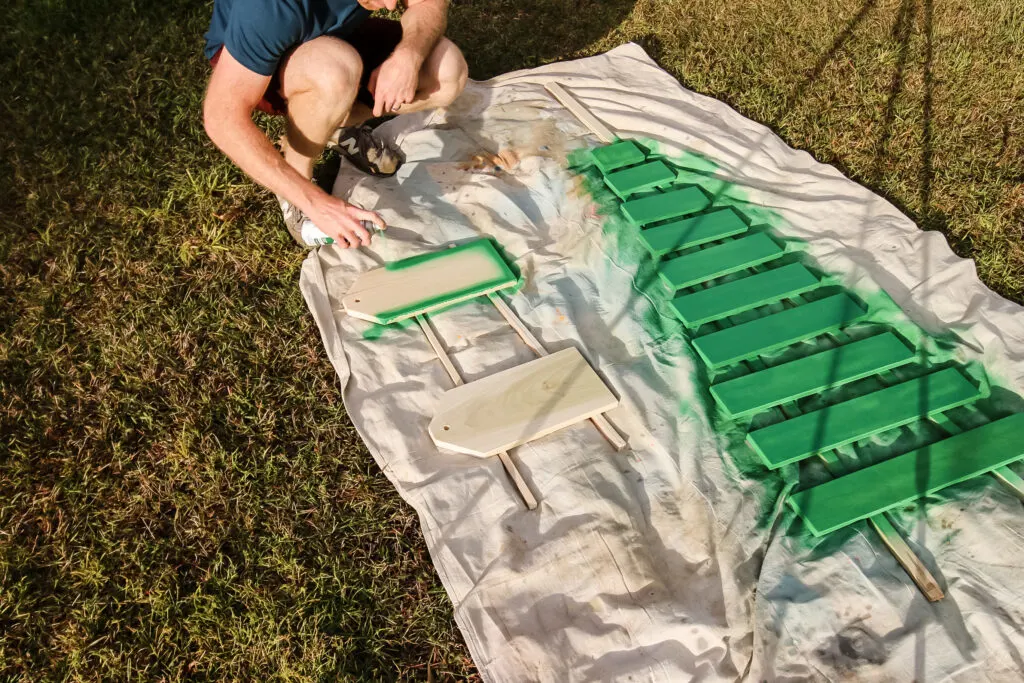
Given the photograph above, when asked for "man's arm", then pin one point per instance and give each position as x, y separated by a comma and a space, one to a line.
423, 24
394, 82
231, 96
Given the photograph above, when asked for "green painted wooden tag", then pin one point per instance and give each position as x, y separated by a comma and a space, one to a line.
812, 374
861, 417
742, 295
617, 155
659, 207
693, 232
718, 260
639, 178
901, 480
774, 331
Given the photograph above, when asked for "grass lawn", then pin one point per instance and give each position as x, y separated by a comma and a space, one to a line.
181, 493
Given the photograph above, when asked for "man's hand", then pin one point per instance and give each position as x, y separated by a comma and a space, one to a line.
230, 99
341, 220
394, 82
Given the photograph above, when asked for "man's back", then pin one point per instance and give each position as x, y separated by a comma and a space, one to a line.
258, 33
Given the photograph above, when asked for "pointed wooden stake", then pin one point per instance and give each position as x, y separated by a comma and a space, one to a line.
453, 373
603, 133
896, 544
600, 421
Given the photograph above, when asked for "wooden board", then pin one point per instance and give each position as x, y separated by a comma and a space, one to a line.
692, 232
639, 178
743, 295
618, 155
861, 417
721, 259
774, 331
425, 283
908, 477
894, 541
659, 207
1004, 475
811, 374
600, 421
506, 460
519, 405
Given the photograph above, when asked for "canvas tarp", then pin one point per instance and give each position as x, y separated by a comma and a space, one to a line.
664, 562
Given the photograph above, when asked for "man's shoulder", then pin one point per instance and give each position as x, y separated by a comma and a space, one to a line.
256, 32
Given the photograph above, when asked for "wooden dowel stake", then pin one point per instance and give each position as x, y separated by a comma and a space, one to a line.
910, 562
606, 428
453, 373
603, 133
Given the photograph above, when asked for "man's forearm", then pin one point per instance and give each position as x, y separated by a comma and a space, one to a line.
245, 144
423, 24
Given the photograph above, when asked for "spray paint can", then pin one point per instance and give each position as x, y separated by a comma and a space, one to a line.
315, 237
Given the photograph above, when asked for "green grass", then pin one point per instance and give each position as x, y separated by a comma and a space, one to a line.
181, 493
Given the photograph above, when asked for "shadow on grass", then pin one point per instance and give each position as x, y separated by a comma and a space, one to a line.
923, 409
505, 35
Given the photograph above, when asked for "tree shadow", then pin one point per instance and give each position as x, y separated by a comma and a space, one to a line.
925, 215
521, 34
903, 30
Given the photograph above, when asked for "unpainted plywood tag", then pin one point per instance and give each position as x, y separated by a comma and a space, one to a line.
520, 404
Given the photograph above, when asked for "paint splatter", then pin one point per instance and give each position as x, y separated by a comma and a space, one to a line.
621, 244
374, 332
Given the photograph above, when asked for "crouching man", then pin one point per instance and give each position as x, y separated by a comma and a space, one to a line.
327, 67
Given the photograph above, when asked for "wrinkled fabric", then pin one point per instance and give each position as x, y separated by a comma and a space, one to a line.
664, 562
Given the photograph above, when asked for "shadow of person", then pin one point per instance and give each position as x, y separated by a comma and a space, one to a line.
519, 34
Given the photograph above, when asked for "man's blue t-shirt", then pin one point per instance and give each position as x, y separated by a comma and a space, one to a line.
258, 33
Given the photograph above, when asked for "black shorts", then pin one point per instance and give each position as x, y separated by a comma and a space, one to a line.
375, 39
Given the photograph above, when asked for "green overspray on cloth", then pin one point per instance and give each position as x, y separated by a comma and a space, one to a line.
622, 246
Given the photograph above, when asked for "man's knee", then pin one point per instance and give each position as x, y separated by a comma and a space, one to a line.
326, 66
452, 71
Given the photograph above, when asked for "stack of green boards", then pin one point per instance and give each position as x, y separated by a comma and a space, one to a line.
743, 302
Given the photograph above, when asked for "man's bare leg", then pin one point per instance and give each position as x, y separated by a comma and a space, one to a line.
442, 79
319, 80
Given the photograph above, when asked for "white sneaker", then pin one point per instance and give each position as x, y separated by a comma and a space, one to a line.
302, 230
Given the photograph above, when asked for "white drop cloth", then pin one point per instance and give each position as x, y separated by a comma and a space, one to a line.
661, 563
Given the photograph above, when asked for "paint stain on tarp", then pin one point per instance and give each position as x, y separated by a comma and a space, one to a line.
492, 164
374, 332
505, 148
852, 648
622, 245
